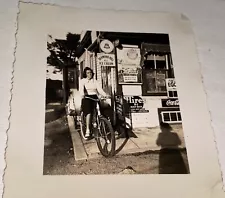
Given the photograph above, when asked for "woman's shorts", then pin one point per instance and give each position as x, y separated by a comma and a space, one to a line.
88, 105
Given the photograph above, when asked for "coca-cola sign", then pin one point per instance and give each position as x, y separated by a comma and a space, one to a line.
170, 102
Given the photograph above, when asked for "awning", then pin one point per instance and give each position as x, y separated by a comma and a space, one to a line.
158, 49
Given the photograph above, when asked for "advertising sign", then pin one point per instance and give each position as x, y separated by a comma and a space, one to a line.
130, 78
107, 60
136, 104
129, 70
171, 84
170, 103
119, 107
106, 46
171, 88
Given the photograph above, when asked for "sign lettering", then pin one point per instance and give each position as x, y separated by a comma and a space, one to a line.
106, 59
170, 102
135, 103
130, 78
171, 84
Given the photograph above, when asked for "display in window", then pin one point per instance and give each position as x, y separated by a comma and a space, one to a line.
155, 81
161, 83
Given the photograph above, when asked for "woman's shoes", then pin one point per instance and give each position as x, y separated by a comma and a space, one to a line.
87, 134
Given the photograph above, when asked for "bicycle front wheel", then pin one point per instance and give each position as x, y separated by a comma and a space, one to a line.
105, 138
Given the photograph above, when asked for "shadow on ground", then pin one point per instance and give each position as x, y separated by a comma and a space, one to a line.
170, 158
59, 157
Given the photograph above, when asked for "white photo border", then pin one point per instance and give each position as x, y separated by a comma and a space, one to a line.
24, 173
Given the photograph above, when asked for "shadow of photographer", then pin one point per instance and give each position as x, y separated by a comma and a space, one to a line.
170, 157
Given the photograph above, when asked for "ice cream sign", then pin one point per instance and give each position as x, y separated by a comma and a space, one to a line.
104, 59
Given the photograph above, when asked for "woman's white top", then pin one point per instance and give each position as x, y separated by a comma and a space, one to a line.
92, 87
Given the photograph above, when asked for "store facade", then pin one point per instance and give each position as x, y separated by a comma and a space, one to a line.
136, 69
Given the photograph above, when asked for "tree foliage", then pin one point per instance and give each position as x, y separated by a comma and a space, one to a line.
63, 52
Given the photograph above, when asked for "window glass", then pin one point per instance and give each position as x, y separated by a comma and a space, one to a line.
173, 116
155, 72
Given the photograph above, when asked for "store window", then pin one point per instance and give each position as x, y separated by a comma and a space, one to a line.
172, 94
171, 116
156, 70
71, 74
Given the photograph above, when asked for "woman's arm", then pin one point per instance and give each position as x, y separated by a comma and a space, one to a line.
100, 90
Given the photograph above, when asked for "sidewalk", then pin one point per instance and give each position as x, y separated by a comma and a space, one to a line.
55, 121
146, 139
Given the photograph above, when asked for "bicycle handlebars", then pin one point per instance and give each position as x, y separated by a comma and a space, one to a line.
96, 99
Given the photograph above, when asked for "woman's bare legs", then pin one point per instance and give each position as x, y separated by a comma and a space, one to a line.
88, 124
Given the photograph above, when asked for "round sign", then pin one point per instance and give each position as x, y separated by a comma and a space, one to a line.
132, 54
106, 46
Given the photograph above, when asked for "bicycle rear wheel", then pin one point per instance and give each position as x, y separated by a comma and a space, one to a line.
105, 138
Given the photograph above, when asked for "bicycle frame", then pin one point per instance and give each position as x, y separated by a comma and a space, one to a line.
97, 113
97, 105
97, 108
99, 121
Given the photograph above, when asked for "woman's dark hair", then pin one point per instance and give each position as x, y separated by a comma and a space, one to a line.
87, 69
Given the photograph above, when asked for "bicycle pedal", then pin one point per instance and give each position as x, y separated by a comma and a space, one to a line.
107, 141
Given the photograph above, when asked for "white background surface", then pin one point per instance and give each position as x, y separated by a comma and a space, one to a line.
207, 17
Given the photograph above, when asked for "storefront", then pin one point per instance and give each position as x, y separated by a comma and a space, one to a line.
138, 74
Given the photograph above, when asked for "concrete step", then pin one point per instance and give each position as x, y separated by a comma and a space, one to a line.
79, 149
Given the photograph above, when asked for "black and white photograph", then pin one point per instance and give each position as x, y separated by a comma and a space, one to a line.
112, 105
112, 99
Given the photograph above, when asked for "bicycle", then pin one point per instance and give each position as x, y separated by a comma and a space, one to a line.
99, 126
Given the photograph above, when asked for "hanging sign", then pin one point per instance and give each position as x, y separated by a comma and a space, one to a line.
106, 59
106, 46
